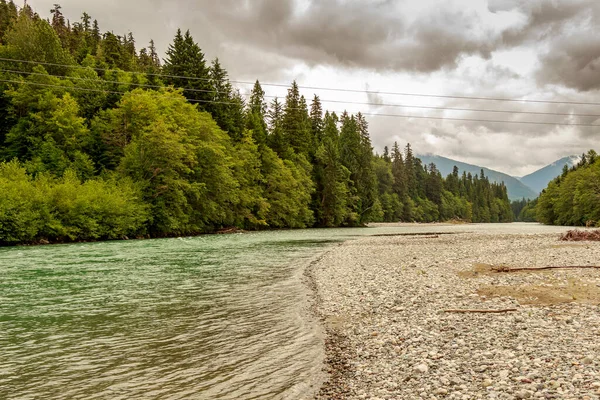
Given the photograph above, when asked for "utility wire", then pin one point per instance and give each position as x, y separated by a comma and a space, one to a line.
319, 87
322, 100
363, 113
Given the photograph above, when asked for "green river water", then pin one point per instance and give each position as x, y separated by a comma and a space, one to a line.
221, 316
210, 317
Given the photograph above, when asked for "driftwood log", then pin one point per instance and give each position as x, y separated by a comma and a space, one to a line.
507, 269
581, 236
505, 310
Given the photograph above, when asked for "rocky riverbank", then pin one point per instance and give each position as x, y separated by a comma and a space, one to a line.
384, 301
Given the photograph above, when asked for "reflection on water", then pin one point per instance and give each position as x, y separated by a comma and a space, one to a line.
221, 317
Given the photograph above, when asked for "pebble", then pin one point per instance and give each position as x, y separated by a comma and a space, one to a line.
398, 343
421, 368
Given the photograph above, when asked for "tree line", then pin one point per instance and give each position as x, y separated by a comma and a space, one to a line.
100, 140
573, 198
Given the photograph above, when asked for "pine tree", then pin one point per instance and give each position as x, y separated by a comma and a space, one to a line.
276, 139
154, 55
333, 178
226, 105
237, 116
60, 26
33, 39
110, 51
186, 67
398, 172
355, 144
434, 185
316, 122
256, 115
149, 63
410, 172
8, 15
95, 38
86, 22
386, 154
296, 122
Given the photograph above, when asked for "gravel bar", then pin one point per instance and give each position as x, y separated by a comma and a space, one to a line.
383, 301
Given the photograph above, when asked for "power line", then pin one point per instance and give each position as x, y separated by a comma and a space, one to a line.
363, 113
375, 92
322, 100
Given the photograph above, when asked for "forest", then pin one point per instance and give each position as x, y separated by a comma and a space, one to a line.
573, 198
100, 139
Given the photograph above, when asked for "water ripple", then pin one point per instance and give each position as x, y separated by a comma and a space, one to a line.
220, 317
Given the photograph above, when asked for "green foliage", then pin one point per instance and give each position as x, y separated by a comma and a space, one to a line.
185, 60
296, 122
63, 209
34, 39
332, 178
287, 189
50, 137
179, 155
574, 197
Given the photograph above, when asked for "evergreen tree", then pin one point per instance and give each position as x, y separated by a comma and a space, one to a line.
354, 143
333, 178
256, 115
186, 68
8, 15
227, 105
276, 139
398, 171
60, 25
95, 38
296, 125
33, 39
434, 185
410, 174
386, 154
316, 122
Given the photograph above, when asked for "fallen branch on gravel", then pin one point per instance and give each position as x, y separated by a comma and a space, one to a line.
415, 234
482, 311
580, 236
507, 269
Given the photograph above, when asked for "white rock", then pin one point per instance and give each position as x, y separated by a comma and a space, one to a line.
421, 368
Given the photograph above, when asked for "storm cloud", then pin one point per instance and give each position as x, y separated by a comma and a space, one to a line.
567, 34
374, 35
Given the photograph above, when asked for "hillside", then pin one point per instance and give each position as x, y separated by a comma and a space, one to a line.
539, 179
516, 189
572, 200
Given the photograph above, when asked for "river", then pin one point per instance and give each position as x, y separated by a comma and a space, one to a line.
209, 317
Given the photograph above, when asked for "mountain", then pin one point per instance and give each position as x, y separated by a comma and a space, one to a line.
539, 180
516, 189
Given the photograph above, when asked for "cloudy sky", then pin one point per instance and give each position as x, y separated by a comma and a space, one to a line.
542, 50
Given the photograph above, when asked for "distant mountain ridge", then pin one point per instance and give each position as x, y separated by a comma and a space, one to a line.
539, 179
516, 189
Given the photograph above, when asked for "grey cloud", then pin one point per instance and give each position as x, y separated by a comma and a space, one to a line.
568, 31
350, 34
572, 61
546, 19
502, 5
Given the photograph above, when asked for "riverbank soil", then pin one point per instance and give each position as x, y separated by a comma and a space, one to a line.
390, 306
